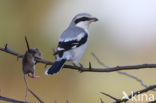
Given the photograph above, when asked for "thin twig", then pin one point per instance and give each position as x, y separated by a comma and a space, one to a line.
109, 96
26, 95
120, 72
152, 101
101, 100
67, 101
131, 95
152, 87
2, 98
37, 97
108, 69
28, 47
136, 93
134, 77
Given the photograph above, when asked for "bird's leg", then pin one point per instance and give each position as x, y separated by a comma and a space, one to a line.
81, 66
74, 64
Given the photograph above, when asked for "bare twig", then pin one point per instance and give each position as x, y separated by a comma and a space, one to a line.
38, 98
134, 77
26, 95
11, 100
152, 87
131, 95
8, 50
108, 69
101, 100
109, 96
120, 72
136, 93
152, 101
67, 101
18, 101
27, 44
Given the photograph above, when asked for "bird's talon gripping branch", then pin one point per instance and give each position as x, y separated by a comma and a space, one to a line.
81, 66
74, 64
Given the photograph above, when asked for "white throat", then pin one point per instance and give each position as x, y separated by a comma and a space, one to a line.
83, 25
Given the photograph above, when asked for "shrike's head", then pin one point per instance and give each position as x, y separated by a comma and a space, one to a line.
83, 20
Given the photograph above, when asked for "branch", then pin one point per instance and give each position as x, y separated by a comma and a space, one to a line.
120, 72
108, 69
38, 98
130, 96
136, 78
152, 101
136, 93
27, 44
11, 100
67, 101
108, 95
101, 100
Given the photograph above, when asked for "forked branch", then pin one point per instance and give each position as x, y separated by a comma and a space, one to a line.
85, 69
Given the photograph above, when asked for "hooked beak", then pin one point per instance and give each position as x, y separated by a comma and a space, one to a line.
93, 19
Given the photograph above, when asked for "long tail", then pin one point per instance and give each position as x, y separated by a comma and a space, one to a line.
55, 67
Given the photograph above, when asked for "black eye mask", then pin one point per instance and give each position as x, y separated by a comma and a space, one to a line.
82, 19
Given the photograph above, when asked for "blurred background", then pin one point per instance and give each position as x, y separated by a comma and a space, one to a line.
124, 35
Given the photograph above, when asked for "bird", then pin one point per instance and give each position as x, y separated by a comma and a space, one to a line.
72, 42
29, 61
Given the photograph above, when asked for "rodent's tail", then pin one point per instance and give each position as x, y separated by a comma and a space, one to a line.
56, 67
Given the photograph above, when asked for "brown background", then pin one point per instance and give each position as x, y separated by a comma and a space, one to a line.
124, 35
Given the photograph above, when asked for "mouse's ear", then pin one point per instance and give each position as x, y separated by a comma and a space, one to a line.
27, 44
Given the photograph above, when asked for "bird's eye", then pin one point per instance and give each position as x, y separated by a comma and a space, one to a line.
81, 19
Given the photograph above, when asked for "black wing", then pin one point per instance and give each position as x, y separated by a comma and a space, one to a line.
68, 45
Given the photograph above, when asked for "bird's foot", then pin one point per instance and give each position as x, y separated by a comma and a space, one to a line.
74, 64
81, 67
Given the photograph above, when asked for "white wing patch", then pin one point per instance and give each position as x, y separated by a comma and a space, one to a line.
60, 48
78, 37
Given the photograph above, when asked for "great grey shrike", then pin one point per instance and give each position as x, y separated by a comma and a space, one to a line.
72, 42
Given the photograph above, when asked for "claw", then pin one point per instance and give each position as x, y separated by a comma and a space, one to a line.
81, 66
74, 64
